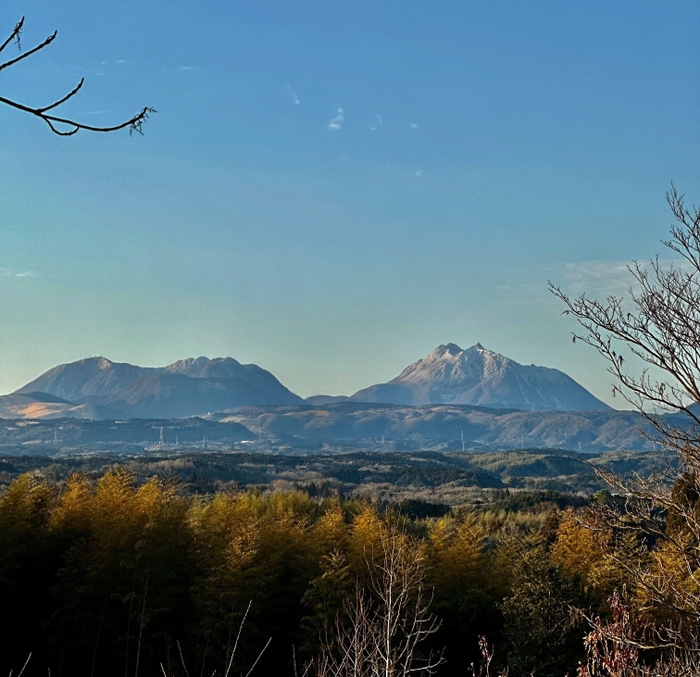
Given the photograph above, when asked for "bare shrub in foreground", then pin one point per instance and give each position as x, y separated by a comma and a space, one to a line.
615, 649
383, 625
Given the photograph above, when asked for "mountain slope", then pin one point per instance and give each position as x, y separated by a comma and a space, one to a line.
177, 396
44, 406
477, 376
92, 379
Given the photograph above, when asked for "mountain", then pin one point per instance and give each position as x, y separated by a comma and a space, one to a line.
91, 379
178, 396
477, 376
99, 388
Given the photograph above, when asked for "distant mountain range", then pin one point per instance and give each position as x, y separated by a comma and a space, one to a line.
443, 426
477, 376
99, 388
450, 397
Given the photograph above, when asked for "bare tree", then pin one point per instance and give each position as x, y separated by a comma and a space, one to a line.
659, 324
61, 126
383, 626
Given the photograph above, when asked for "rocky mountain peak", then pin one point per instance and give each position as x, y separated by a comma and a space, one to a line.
188, 363
448, 349
478, 376
103, 363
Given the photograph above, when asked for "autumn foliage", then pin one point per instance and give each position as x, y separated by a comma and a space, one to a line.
110, 578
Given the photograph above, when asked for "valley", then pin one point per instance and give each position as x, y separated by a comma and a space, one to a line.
433, 478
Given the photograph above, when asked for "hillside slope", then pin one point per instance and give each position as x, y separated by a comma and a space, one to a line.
442, 426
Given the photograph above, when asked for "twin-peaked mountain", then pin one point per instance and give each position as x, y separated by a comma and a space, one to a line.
477, 376
99, 388
186, 388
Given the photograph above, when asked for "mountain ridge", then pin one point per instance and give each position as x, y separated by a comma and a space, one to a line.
444, 426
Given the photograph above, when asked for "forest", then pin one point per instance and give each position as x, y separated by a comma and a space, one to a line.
110, 576
438, 477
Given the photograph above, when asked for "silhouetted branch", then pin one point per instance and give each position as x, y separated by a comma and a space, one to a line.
56, 124
26, 55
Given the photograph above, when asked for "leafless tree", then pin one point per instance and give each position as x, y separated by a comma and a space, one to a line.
61, 126
383, 625
659, 324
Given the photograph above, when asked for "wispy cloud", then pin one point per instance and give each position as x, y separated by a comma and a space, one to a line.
337, 122
9, 272
595, 277
97, 112
413, 125
602, 278
293, 95
119, 61
376, 123
418, 172
189, 68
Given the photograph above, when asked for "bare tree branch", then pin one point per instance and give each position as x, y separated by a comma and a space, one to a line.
63, 126
34, 50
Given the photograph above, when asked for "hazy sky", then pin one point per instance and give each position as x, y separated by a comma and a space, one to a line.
331, 189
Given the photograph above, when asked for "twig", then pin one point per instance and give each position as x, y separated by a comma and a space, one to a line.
258, 658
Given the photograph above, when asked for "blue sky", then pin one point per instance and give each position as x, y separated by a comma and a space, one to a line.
331, 189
